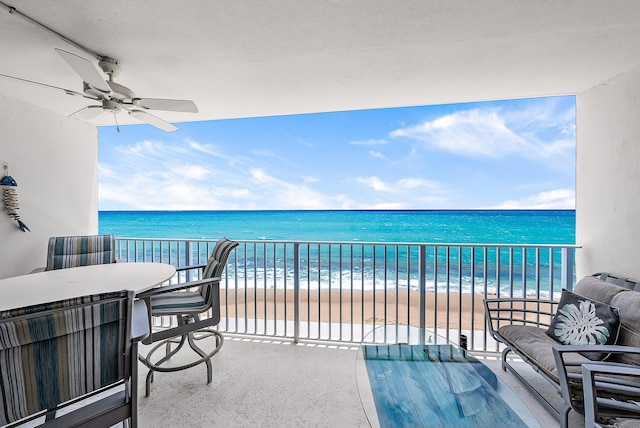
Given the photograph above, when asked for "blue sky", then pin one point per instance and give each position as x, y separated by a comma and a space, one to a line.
517, 154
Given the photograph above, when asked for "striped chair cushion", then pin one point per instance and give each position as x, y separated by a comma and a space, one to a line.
220, 253
209, 270
178, 302
50, 358
73, 251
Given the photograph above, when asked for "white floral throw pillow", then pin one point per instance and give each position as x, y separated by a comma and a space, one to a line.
580, 321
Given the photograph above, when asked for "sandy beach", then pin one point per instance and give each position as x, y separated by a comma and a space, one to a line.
465, 310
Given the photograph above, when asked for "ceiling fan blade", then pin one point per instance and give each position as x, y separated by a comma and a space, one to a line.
87, 71
67, 91
186, 106
87, 113
153, 120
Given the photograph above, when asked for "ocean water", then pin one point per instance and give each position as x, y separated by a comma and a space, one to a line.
435, 226
365, 264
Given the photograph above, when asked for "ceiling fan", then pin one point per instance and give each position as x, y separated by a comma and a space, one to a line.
113, 97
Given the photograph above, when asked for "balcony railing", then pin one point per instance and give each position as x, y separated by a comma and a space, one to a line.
338, 291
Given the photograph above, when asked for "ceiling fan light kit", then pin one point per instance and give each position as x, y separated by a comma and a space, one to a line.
113, 97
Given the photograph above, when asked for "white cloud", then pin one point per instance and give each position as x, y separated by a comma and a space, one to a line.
538, 132
387, 206
156, 175
264, 152
106, 172
281, 194
375, 183
372, 142
552, 199
405, 193
377, 155
191, 172
204, 148
401, 186
468, 133
142, 152
141, 147
241, 193
412, 183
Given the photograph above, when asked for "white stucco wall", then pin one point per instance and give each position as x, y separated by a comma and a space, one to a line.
54, 160
608, 177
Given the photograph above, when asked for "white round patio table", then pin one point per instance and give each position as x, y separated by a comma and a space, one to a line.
60, 284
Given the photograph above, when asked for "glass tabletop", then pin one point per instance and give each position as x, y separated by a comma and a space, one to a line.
411, 377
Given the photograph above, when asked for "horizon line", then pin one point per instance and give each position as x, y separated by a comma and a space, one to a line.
342, 209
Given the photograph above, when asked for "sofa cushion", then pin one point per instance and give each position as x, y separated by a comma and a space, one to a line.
582, 321
629, 304
596, 289
534, 344
627, 301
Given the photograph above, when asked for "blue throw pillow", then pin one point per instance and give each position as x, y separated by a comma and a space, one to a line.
580, 321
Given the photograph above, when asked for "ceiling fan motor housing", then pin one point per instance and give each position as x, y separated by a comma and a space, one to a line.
111, 106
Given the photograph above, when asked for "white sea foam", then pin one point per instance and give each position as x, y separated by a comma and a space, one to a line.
355, 281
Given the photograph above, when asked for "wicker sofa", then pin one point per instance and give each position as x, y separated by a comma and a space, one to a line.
521, 324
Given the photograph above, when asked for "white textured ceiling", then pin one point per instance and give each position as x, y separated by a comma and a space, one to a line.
244, 58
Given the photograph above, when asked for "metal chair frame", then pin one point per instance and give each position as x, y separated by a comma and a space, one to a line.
190, 326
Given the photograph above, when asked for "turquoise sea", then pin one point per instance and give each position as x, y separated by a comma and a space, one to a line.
369, 259
431, 226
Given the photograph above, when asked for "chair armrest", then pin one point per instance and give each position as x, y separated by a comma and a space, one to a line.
521, 311
140, 321
561, 354
599, 374
595, 379
183, 268
176, 287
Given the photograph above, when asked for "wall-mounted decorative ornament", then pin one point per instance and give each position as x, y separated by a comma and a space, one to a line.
10, 197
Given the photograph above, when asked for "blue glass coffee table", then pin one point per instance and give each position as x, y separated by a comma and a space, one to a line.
410, 377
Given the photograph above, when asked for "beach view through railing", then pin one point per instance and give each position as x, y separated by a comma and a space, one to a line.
340, 291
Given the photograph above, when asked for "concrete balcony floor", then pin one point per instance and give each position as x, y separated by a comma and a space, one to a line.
275, 383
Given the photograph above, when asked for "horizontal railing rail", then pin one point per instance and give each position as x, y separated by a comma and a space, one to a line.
340, 291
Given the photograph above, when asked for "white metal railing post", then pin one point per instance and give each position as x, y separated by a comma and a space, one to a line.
296, 292
188, 259
567, 268
422, 285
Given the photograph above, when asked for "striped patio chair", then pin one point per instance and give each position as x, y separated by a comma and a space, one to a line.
61, 353
73, 251
188, 302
